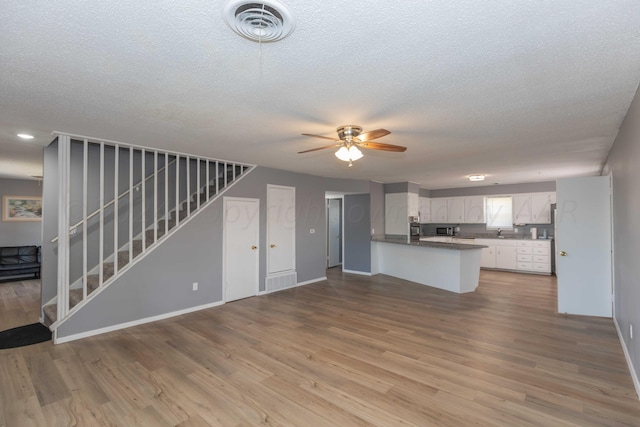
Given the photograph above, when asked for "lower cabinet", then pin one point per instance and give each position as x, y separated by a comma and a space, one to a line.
534, 255
506, 254
519, 255
488, 258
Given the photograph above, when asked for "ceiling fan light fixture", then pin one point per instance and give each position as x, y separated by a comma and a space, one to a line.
343, 154
349, 154
476, 178
354, 153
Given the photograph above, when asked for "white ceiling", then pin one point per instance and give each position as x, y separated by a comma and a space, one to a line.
520, 91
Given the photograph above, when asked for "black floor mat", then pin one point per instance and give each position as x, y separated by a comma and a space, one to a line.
24, 335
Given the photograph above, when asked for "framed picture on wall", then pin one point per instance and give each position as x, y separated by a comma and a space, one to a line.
21, 208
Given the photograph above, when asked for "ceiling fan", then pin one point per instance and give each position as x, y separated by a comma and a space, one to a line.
350, 137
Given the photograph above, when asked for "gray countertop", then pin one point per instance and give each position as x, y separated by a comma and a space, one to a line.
416, 242
487, 236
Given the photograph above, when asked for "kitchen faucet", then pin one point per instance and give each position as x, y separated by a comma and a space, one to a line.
499, 231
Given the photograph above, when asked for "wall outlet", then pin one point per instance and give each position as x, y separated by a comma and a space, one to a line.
515, 230
373, 231
312, 231
630, 331
195, 286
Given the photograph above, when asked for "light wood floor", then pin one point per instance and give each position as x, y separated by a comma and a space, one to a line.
351, 351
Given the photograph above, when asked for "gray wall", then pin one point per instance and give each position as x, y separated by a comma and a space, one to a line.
491, 190
49, 269
622, 163
357, 233
20, 233
161, 282
396, 187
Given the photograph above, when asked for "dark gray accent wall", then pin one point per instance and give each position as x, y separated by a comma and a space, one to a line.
357, 233
414, 188
396, 187
20, 233
161, 283
423, 192
491, 190
622, 163
376, 192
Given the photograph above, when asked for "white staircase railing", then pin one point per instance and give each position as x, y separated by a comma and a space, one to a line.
142, 196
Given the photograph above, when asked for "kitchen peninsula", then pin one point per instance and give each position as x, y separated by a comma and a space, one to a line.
453, 267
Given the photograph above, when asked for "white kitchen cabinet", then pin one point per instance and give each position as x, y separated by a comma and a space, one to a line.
532, 208
455, 210
506, 254
439, 211
488, 257
413, 204
542, 256
521, 255
398, 207
425, 210
521, 208
396, 213
474, 210
541, 208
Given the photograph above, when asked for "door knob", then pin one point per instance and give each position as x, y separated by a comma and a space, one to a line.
563, 253
254, 247
272, 245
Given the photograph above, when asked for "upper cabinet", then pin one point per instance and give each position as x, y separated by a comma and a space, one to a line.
533, 208
541, 207
455, 210
414, 204
398, 207
474, 210
425, 210
439, 211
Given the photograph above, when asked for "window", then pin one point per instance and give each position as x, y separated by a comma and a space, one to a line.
499, 213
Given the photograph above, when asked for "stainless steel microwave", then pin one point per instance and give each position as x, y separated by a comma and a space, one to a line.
444, 231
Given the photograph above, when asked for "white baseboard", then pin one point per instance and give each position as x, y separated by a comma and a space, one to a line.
307, 282
91, 333
362, 273
634, 375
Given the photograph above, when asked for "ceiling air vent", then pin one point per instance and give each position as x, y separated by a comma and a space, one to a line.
264, 21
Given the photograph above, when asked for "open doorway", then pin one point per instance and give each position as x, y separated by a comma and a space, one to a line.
334, 232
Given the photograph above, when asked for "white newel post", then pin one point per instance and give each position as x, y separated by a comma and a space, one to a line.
64, 155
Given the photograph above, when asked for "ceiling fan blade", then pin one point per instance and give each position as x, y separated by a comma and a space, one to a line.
320, 136
320, 148
381, 146
368, 136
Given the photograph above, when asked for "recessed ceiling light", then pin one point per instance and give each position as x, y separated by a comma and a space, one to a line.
476, 177
25, 136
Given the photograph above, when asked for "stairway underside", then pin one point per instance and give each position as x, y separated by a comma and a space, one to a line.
162, 227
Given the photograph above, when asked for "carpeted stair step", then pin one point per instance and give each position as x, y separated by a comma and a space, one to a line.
172, 223
75, 297
50, 314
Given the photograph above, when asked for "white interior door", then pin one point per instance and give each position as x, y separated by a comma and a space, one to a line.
241, 242
281, 229
584, 246
334, 232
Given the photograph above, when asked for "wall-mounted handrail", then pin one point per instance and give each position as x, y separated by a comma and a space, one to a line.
111, 202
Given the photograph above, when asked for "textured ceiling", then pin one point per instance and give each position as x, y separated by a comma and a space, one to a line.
520, 91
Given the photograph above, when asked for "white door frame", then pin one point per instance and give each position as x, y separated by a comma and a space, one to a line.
293, 242
226, 199
613, 248
326, 220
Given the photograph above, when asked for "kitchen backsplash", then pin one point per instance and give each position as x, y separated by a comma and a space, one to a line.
480, 230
